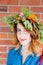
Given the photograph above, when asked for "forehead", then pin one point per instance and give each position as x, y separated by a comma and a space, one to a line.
20, 26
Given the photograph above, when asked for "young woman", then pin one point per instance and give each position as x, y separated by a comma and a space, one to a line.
27, 50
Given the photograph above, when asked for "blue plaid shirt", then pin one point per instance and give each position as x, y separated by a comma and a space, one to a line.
15, 58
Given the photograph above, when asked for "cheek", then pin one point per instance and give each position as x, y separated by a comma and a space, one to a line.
18, 36
18, 33
28, 37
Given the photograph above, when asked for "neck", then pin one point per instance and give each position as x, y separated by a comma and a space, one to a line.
26, 49
25, 46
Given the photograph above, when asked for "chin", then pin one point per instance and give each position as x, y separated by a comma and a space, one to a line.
24, 43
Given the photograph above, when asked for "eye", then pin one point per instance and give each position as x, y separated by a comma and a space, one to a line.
18, 30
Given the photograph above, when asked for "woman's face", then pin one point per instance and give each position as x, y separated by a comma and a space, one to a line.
22, 35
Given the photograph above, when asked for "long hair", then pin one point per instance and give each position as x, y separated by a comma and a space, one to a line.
35, 45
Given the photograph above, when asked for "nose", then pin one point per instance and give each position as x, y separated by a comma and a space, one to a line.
22, 34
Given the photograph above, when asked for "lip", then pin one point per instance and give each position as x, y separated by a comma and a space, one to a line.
22, 39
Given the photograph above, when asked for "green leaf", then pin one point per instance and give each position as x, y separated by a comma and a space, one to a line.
23, 19
28, 24
26, 12
25, 23
5, 20
10, 21
17, 15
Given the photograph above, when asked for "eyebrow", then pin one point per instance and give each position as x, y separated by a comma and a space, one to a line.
20, 29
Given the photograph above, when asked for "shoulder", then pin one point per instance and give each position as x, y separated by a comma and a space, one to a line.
11, 51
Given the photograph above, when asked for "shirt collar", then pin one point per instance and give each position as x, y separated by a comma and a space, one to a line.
19, 49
